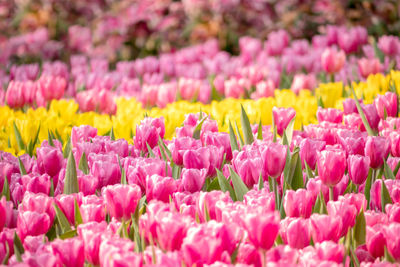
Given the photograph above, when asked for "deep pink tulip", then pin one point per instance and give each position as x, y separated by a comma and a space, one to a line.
375, 240
66, 203
330, 251
386, 103
309, 149
262, 228
92, 212
274, 159
40, 203
332, 60
377, 149
179, 146
88, 184
330, 115
37, 183
143, 167
193, 179
149, 131
3, 214
325, 227
371, 114
393, 212
49, 160
51, 87
394, 138
358, 167
331, 166
32, 223
160, 187
171, 230
349, 106
298, 203
298, 233
206, 203
32, 243
282, 254
70, 251
282, 117
108, 173
121, 200
249, 165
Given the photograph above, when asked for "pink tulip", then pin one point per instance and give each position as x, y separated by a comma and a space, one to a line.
3, 214
82, 133
358, 167
282, 118
330, 115
344, 211
331, 166
389, 45
15, 96
298, 233
325, 227
39, 203
372, 115
377, 149
249, 165
277, 42
330, 251
309, 149
149, 131
303, 82
171, 230
32, 243
298, 203
393, 212
349, 106
88, 184
262, 228
50, 87
92, 212
160, 187
274, 159
386, 103
70, 251
32, 223
50, 160
264, 89
91, 235
108, 173
282, 255
66, 203
37, 183
121, 200
375, 240
235, 88
332, 60
368, 67
193, 179
206, 202
392, 232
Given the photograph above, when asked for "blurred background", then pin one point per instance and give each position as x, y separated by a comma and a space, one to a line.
36, 30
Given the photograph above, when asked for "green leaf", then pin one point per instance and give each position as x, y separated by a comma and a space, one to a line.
388, 171
78, 215
360, 229
176, 171
83, 164
112, 135
225, 185
71, 180
32, 144
59, 138
246, 127
323, 209
367, 189
18, 247
259, 131
51, 193
289, 131
396, 170
21, 166
378, 53
151, 153
354, 257
50, 138
385, 196
6, 189
232, 138
238, 185
214, 94
214, 185
296, 173
165, 148
235, 253
239, 135
320, 103
7, 256
123, 177
388, 256
69, 234
362, 114
197, 130
274, 129
62, 220
20, 142
67, 148
309, 172
260, 182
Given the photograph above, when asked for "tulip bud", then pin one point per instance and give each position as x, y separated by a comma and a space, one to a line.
193, 179
358, 167
331, 166
274, 159
377, 149
282, 118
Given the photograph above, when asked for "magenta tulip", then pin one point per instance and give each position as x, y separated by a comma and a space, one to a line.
331, 166
332, 60
282, 118
193, 179
262, 228
386, 103
377, 149
298, 203
50, 160
121, 200
274, 159
358, 167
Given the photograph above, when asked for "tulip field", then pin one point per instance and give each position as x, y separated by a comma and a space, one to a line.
199, 133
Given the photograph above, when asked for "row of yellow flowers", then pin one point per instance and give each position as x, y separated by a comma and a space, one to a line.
63, 115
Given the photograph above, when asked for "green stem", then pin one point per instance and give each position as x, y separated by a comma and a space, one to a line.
331, 197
